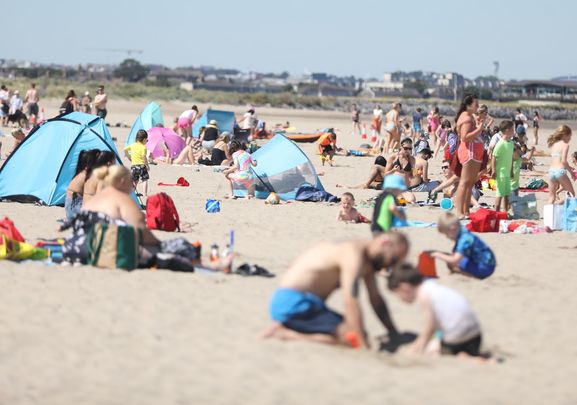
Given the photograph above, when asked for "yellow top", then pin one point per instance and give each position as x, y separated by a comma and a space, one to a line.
137, 152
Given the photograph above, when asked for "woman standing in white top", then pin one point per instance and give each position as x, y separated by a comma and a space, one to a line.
185, 122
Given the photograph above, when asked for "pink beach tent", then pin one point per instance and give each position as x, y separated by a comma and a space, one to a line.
157, 136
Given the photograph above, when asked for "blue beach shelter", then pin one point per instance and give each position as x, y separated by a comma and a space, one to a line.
41, 168
282, 167
150, 117
224, 119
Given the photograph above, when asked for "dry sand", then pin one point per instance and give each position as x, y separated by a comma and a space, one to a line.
91, 336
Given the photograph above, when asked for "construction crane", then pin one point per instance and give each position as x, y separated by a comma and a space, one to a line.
128, 52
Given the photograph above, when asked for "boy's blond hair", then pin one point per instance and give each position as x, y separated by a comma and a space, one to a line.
350, 195
447, 220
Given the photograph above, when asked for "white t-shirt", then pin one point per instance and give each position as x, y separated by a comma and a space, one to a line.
15, 104
453, 314
190, 114
4, 95
521, 117
378, 113
494, 140
249, 121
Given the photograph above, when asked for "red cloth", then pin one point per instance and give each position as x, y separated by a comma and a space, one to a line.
180, 182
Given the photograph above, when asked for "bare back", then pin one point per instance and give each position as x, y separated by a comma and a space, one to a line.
319, 269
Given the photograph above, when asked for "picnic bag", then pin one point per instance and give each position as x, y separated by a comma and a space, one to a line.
161, 213
114, 246
484, 220
570, 215
525, 207
8, 228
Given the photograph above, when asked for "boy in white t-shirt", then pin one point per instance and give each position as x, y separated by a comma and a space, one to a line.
445, 310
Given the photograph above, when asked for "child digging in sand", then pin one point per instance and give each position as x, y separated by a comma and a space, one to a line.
348, 212
471, 256
240, 172
327, 147
136, 153
445, 310
502, 165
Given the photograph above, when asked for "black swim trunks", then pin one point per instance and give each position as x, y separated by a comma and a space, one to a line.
471, 347
139, 172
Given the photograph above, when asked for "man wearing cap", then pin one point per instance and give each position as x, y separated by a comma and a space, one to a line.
100, 101
209, 136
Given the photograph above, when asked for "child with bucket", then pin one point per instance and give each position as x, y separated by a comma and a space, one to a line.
386, 211
470, 256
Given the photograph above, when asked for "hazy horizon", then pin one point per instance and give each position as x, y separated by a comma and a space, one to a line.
364, 39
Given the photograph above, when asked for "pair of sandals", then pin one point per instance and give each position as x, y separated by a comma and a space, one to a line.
247, 269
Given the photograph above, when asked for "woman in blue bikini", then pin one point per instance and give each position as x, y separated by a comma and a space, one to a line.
560, 170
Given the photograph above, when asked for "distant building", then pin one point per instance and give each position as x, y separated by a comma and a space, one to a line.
540, 90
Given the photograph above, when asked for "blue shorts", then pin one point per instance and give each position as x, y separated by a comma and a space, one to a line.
303, 312
417, 128
475, 269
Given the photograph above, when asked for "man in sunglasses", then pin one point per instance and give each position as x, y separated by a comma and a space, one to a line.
298, 306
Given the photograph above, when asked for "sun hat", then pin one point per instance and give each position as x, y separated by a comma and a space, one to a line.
483, 108
213, 122
16, 92
395, 181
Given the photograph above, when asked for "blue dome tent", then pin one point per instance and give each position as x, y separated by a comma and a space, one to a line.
150, 117
282, 167
41, 168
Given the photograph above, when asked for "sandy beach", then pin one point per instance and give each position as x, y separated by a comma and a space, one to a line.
91, 336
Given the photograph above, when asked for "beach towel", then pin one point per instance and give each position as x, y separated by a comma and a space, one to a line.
180, 182
307, 192
15, 250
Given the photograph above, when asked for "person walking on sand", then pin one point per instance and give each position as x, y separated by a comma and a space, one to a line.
100, 102
470, 152
376, 123
536, 122
31, 99
560, 170
392, 127
298, 307
356, 117
86, 103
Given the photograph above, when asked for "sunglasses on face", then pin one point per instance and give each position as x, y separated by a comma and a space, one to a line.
407, 148
444, 167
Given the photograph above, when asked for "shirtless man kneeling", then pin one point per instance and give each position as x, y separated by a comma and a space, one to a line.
298, 306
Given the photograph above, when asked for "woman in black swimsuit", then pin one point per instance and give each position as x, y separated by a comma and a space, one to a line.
220, 155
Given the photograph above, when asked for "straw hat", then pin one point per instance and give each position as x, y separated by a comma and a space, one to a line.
213, 122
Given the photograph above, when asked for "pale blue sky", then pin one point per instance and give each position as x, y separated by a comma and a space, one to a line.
531, 38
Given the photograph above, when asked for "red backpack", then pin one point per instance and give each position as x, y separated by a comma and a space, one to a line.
161, 213
8, 228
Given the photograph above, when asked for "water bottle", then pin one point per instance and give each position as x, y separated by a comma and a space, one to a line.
214, 256
224, 255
